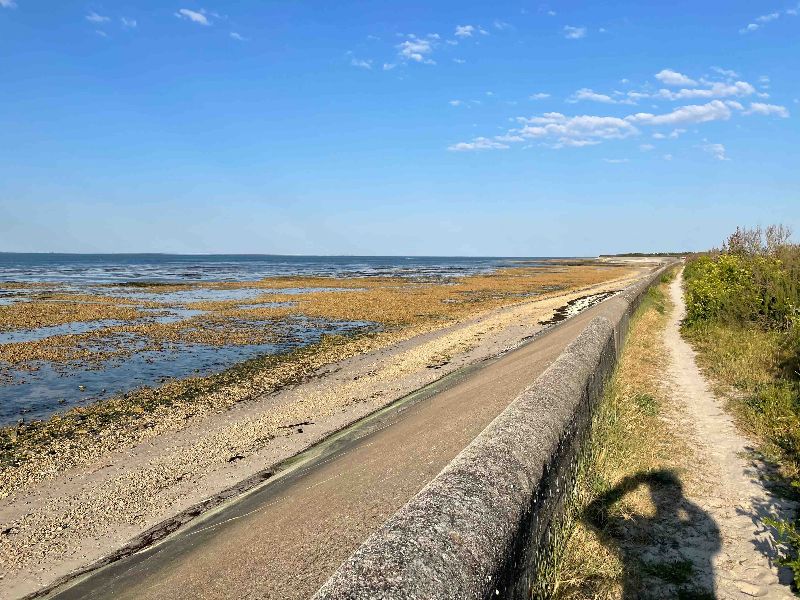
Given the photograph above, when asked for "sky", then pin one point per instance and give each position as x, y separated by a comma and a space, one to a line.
504, 128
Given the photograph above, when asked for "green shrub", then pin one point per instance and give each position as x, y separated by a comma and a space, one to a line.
743, 316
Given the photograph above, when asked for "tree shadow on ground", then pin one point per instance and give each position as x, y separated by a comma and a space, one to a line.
667, 553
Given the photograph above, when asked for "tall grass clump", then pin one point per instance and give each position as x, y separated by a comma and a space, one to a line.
743, 317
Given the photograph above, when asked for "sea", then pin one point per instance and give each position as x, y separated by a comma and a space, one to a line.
29, 394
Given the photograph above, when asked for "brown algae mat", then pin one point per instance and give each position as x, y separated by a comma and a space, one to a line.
403, 307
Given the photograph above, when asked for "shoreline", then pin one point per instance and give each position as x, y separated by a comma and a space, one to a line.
152, 476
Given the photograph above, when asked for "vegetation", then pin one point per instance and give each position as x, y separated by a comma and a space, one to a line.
743, 318
632, 450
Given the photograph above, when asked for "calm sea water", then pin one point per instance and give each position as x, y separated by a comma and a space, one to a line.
116, 268
51, 388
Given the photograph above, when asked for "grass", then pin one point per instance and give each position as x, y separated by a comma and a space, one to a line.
744, 322
628, 438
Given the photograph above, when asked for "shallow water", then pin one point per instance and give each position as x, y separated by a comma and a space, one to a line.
38, 394
119, 268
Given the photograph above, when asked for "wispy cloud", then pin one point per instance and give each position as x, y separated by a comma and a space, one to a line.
670, 77
760, 21
617, 161
417, 49
716, 110
672, 135
478, 143
716, 150
238, 37
589, 94
557, 130
456, 102
728, 73
464, 31
194, 16
574, 33
759, 108
501, 25
8, 4
361, 63
93, 17
714, 90
128, 23
539, 96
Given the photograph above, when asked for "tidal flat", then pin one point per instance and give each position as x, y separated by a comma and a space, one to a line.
88, 479
101, 366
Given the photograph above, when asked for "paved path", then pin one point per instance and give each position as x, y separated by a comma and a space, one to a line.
284, 539
734, 496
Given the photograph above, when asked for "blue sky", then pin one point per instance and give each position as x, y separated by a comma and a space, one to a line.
502, 128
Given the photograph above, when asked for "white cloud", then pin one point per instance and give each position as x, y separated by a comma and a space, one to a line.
667, 157
101, 33
93, 17
539, 96
580, 130
128, 23
762, 20
8, 4
716, 150
478, 143
646, 147
455, 102
673, 135
193, 16
574, 33
459, 61
551, 13
239, 37
725, 72
501, 25
759, 108
616, 161
670, 77
360, 63
588, 94
464, 31
716, 110
716, 89
416, 49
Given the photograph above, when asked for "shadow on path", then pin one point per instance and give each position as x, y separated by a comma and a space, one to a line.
667, 553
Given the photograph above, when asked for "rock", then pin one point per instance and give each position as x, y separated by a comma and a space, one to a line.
750, 589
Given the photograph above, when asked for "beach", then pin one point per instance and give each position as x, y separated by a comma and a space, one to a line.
86, 481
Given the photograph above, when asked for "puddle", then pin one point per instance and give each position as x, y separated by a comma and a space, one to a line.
573, 307
39, 394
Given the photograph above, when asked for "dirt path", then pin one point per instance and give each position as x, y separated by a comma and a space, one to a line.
729, 489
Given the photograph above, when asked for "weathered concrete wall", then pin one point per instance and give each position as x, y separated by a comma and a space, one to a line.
483, 527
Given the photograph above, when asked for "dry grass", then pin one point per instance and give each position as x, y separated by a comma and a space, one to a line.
630, 436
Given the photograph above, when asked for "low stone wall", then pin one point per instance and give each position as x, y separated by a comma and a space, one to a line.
484, 526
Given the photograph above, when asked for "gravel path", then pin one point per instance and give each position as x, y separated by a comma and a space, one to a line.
732, 493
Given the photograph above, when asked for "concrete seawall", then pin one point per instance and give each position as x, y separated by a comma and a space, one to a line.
484, 526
